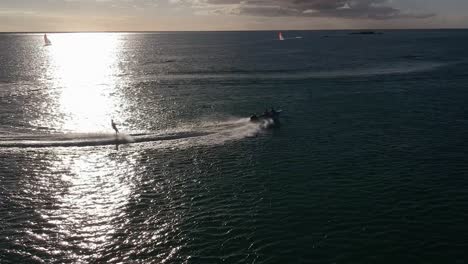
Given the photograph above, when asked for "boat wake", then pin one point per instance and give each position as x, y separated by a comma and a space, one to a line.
303, 74
208, 133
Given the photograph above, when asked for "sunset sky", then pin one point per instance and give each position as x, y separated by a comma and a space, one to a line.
160, 15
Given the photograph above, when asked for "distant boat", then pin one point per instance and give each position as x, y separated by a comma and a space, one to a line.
280, 36
47, 40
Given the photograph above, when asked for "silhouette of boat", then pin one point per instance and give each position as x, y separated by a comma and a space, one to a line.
47, 41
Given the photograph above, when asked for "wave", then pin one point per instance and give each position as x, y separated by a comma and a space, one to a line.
204, 133
161, 61
299, 74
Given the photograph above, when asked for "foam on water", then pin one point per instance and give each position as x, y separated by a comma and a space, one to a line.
214, 132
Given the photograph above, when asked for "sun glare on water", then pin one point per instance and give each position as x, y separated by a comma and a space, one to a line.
82, 72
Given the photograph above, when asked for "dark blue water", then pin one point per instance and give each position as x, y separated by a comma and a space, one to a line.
369, 164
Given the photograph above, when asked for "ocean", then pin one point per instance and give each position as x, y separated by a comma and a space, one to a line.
368, 165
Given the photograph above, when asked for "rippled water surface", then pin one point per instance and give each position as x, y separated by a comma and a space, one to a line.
369, 164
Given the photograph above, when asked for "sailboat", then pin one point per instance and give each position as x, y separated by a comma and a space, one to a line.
47, 40
280, 36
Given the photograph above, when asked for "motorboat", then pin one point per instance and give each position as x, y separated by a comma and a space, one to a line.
268, 119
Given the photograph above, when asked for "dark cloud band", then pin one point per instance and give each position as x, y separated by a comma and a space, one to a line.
372, 9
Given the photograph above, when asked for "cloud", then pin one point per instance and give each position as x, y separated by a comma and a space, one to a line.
369, 9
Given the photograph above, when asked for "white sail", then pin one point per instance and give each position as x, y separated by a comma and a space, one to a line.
47, 40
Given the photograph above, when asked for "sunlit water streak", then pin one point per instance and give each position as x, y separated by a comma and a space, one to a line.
81, 81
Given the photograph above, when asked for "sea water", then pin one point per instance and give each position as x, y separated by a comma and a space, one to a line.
369, 164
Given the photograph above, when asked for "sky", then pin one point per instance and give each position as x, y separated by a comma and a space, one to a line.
189, 15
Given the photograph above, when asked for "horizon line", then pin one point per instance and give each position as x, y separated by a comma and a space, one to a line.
231, 30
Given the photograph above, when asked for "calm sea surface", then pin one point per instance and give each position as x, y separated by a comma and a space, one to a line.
369, 164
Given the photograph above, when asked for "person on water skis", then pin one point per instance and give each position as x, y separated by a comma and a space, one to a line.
114, 126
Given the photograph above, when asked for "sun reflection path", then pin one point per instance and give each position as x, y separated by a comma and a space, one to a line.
83, 75
99, 186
